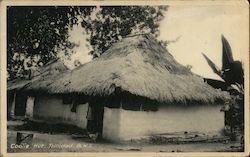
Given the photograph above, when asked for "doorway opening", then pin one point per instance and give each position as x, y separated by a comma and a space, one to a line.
95, 118
20, 104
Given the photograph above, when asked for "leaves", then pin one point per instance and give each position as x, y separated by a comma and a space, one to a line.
227, 56
43, 31
213, 66
232, 71
36, 31
115, 22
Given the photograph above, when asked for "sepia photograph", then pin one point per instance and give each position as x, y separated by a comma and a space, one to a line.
125, 77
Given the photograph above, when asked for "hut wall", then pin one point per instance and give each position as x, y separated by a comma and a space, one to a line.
29, 107
127, 124
111, 123
52, 110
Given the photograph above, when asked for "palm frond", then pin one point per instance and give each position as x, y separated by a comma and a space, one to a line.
213, 66
227, 56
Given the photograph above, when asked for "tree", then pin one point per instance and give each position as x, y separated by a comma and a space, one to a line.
231, 71
233, 74
35, 34
113, 23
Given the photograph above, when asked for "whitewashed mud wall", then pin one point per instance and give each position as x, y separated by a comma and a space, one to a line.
111, 124
122, 124
52, 109
29, 107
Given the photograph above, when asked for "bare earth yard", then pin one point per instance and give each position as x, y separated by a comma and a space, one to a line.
43, 141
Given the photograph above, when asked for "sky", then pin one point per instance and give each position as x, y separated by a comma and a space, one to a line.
199, 29
78, 36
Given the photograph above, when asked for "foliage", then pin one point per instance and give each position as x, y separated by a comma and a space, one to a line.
233, 75
231, 71
33, 33
113, 23
36, 34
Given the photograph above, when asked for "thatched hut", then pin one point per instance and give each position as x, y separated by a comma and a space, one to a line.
20, 103
135, 88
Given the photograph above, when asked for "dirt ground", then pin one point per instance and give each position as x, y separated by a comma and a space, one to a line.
67, 142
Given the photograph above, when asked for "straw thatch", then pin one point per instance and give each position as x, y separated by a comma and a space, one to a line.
53, 67
138, 65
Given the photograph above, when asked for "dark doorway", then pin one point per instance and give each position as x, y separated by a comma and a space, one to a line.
95, 118
20, 104
10, 99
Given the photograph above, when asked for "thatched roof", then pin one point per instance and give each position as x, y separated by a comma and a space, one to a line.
138, 65
54, 67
